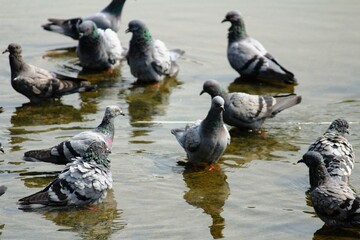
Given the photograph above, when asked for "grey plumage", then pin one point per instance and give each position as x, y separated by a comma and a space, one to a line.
109, 17
249, 57
84, 181
333, 200
38, 84
249, 111
76, 146
149, 59
98, 49
336, 150
205, 141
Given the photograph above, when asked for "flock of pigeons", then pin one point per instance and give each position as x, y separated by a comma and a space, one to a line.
87, 177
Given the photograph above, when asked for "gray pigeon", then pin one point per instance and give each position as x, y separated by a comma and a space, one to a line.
65, 151
336, 150
333, 200
149, 59
2, 189
83, 181
109, 17
205, 141
98, 49
38, 84
247, 111
249, 57
1, 148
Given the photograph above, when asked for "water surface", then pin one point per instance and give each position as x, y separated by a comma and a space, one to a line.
257, 191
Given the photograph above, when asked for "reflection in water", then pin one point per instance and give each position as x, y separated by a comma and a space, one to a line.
247, 86
208, 190
147, 101
95, 222
46, 114
247, 146
329, 233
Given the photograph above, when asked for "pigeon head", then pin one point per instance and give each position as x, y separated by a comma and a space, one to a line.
212, 87
87, 28
218, 104
98, 152
13, 48
113, 111
339, 126
317, 170
312, 159
138, 28
234, 17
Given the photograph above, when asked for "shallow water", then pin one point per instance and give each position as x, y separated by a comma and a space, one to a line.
257, 192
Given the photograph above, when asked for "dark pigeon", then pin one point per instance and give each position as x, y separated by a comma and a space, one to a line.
109, 17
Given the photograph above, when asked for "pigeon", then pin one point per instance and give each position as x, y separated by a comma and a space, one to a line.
109, 17
249, 57
205, 141
149, 59
248, 111
1, 148
76, 146
336, 150
38, 84
333, 200
83, 181
98, 49
2, 189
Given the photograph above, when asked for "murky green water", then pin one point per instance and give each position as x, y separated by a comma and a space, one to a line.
258, 192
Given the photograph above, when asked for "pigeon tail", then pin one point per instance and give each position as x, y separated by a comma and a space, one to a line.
285, 101
43, 155
67, 27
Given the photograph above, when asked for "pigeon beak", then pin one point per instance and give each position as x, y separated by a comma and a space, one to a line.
301, 161
224, 20
347, 131
223, 109
5, 51
2, 150
202, 92
127, 30
81, 34
122, 114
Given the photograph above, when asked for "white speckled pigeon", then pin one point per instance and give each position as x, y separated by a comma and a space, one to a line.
336, 150
247, 111
98, 49
38, 84
249, 57
109, 17
83, 181
65, 151
333, 200
205, 141
149, 59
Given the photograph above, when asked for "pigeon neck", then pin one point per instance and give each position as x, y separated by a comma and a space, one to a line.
115, 7
16, 64
107, 126
99, 158
141, 42
318, 175
213, 120
237, 31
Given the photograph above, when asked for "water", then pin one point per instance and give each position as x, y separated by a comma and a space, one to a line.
258, 191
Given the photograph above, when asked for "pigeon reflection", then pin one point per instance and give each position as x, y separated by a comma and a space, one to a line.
248, 86
248, 146
208, 190
147, 101
326, 233
96, 222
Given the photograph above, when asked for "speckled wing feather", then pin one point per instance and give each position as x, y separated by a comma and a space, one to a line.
336, 150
